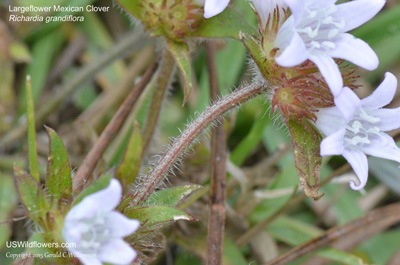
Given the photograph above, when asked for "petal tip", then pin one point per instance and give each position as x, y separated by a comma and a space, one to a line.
213, 7
354, 186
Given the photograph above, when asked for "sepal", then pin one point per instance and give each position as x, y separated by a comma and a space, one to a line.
58, 180
307, 156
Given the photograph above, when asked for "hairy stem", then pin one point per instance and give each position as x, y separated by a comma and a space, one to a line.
175, 151
216, 220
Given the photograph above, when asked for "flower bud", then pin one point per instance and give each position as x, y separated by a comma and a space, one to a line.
173, 19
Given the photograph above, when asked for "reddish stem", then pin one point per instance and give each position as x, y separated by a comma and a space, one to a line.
216, 220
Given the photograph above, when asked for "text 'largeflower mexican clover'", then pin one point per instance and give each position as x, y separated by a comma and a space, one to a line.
317, 31
96, 229
355, 128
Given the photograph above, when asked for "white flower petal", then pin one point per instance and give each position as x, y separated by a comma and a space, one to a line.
333, 144
347, 103
297, 8
330, 71
329, 120
117, 251
72, 231
293, 54
356, 51
120, 225
389, 119
358, 12
359, 163
214, 7
103, 200
389, 150
383, 95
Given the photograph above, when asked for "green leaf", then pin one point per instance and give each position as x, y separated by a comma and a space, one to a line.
131, 6
58, 181
198, 246
307, 156
157, 214
181, 54
19, 52
8, 202
251, 140
388, 53
228, 24
380, 248
130, 164
387, 172
31, 194
185, 257
294, 232
382, 33
341, 256
100, 184
48, 249
7, 96
253, 46
44, 51
232, 254
32, 153
172, 196
383, 25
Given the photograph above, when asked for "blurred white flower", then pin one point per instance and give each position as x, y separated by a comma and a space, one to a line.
97, 230
214, 7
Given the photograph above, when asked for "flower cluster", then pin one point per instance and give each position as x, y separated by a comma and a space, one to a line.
172, 19
315, 34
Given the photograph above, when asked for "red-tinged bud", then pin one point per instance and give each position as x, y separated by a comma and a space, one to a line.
300, 95
301, 91
173, 19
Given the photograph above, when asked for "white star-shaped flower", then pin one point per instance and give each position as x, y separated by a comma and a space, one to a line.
355, 128
97, 230
317, 31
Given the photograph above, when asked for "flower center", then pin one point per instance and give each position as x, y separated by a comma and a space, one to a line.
319, 27
95, 232
362, 130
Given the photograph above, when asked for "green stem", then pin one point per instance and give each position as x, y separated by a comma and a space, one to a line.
32, 150
164, 77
